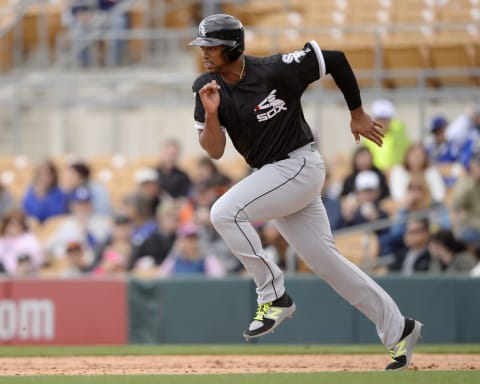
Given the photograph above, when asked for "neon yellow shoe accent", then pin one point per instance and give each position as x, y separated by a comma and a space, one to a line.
398, 350
262, 310
274, 313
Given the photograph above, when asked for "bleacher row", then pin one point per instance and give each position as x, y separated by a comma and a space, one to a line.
115, 172
412, 34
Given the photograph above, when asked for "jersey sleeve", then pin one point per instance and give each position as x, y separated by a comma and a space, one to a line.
307, 65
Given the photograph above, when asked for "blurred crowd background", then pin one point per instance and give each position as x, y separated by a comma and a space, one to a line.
95, 184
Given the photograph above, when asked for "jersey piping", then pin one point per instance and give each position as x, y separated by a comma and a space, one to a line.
321, 60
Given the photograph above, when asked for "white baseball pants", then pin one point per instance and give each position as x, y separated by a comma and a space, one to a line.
288, 192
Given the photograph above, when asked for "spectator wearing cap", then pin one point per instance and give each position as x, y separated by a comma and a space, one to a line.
464, 134
148, 186
442, 152
466, 203
416, 162
362, 206
188, 258
439, 149
395, 140
44, 198
362, 160
78, 174
81, 225
75, 261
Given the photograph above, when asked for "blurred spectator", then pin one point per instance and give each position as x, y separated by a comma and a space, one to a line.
75, 260
363, 206
438, 148
78, 175
416, 162
466, 203
79, 19
113, 263
20, 250
118, 22
206, 193
475, 272
148, 186
277, 248
331, 203
449, 254
464, 134
138, 209
395, 141
158, 245
418, 200
6, 200
362, 161
415, 257
207, 171
187, 257
82, 225
172, 179
119, 240
442, 152
44, 198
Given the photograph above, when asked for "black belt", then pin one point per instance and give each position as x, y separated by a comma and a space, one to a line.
313, 148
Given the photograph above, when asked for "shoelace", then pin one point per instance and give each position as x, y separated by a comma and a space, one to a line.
262, 310
392, 353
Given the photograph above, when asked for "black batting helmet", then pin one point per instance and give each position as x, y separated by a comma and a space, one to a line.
223, 30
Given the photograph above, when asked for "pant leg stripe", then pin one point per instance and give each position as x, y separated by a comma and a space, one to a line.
255, 199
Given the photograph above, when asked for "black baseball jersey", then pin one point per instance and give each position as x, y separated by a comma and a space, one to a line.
262, 112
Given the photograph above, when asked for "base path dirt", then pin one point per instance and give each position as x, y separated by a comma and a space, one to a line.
156, 365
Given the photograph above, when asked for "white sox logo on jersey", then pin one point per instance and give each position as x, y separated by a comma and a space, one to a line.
273, 105
296, 56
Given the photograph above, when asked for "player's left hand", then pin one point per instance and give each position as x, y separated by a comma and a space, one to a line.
363, 125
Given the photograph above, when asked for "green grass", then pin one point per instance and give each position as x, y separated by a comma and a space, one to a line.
206, 349
410, 377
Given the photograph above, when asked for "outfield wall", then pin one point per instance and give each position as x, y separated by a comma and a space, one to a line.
206, 311
198, 310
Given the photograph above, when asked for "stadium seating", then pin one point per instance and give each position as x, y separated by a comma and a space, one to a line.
407, 31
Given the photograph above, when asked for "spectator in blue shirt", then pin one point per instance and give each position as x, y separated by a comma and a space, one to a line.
44, 198
439, 149
138, 209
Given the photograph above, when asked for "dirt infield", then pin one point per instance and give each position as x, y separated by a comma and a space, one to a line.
137, 365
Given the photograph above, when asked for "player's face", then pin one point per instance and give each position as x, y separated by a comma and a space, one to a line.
212, 58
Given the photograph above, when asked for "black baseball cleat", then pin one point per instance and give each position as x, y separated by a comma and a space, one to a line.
269, 316
403, 350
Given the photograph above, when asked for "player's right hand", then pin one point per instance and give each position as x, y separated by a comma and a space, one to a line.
210, 96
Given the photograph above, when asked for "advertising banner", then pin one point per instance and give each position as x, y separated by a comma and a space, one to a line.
74, 312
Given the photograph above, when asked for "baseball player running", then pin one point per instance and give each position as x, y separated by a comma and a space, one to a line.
257, 102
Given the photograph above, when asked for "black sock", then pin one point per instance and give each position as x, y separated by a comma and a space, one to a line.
408, 328
284, 301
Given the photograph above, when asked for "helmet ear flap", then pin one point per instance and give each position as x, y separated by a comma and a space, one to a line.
232, 53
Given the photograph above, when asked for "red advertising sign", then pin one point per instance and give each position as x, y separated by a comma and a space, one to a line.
63, 312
